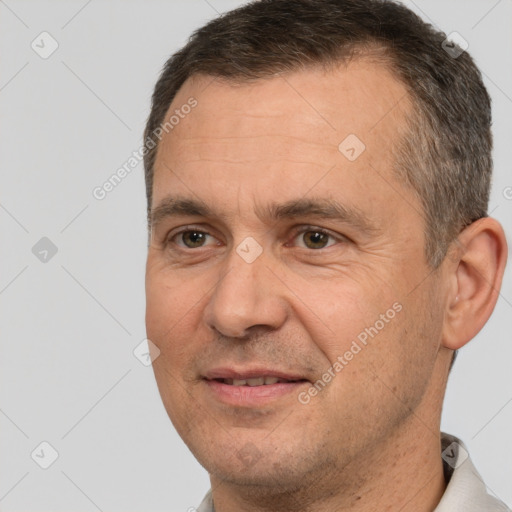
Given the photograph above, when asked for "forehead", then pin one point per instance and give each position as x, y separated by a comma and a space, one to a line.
289, 129
353, 97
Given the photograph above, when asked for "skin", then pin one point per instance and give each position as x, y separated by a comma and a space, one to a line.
370, 439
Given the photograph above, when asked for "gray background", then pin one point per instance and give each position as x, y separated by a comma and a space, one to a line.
69, 325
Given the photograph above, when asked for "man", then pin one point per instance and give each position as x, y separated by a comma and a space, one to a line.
317, 178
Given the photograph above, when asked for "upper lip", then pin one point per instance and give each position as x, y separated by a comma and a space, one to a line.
250, 373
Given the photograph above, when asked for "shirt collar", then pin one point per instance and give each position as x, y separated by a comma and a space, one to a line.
465, 488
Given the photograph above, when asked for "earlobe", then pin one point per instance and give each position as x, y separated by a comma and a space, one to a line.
476, 271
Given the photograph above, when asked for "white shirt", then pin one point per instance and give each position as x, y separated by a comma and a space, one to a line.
465, 491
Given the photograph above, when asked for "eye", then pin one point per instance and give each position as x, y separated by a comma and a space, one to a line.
309, 237
190, 238
315, 238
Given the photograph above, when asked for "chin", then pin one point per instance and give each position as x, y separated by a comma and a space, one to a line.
260, 475
247, 462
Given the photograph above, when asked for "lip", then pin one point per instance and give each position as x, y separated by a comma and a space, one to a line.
250, 373
251, 396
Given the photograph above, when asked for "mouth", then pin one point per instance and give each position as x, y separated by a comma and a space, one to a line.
251, 388
256, 381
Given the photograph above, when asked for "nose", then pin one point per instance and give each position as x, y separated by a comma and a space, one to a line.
247, 295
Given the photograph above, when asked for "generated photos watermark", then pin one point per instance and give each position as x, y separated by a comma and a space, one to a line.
357, 346
100, 192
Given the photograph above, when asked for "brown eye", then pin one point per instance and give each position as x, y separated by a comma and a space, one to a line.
193, 239
310, 237
315, 239
190, 239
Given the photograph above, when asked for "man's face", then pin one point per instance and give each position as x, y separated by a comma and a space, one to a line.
237, 293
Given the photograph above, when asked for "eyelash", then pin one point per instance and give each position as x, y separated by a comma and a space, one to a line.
298, 232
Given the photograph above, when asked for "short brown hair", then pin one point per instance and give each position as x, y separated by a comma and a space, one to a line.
445, 154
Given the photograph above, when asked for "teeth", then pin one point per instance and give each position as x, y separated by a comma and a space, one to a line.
255, 381
258, 381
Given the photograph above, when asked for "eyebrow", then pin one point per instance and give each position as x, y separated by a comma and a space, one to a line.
321, 208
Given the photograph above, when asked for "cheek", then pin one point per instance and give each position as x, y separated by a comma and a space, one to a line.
337, 312
169, 315
169, 300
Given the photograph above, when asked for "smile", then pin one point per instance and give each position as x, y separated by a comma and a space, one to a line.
256, 381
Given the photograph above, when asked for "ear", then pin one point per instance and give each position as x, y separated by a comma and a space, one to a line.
476, 265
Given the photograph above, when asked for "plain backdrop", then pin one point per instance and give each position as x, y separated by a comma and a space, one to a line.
72, 304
